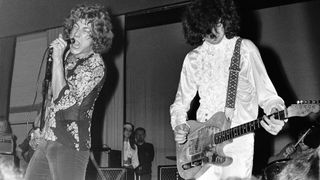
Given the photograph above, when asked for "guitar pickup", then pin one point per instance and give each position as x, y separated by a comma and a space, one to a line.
196, 163
197, 157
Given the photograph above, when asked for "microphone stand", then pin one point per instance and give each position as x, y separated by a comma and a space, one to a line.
46, 82
45, 88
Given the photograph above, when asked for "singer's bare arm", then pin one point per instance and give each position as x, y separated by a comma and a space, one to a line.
58, 78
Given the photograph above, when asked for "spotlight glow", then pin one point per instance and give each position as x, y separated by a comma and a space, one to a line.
8, 171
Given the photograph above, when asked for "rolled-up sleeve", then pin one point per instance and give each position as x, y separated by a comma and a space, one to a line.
187, 89
81, 83
266, 92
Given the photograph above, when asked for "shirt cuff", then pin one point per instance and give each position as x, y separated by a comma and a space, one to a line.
276, 103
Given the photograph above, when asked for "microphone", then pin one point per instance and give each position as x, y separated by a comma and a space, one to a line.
69, 41
49, 59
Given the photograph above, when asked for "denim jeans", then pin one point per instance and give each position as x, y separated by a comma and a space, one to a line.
54, 161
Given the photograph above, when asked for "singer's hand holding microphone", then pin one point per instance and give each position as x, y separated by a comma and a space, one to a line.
57, 47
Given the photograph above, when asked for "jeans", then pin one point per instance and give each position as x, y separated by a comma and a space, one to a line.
54, 161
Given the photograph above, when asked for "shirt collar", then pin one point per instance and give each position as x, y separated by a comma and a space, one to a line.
208, 46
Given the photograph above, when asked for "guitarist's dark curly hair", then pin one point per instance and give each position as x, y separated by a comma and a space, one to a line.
203, 15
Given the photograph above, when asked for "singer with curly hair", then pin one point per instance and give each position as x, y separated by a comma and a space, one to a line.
78, 74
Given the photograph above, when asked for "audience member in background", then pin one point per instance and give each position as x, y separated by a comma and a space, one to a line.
145, 154
292, 149
308, 141
130, 150
303, 167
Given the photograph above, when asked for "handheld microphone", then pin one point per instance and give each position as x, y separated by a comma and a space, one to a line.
49, 62
69, 41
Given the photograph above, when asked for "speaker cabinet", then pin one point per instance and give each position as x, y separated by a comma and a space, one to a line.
168, 173
111, 159
114, 173
6, 144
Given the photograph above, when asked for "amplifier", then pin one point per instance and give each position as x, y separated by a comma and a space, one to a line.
114, 173
6, 144
168, 172
111, 159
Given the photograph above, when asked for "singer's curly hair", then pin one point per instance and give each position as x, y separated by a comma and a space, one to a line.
202, 15
100, 22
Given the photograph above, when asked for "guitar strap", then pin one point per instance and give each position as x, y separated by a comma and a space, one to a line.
234, 70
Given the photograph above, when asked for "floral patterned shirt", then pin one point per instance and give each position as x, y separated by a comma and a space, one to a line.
69, 116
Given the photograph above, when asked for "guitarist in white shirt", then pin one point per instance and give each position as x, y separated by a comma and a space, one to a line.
212, 26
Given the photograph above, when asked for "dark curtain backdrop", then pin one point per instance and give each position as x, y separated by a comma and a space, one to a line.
153, 62
7, 50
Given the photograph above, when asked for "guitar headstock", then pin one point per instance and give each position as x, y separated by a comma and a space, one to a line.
303, 108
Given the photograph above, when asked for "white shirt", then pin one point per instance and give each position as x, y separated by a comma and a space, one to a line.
206, 70
128, 152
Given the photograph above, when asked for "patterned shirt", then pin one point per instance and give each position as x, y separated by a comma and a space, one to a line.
69, 115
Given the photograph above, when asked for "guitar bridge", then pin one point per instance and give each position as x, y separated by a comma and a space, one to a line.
192, 164
196, 160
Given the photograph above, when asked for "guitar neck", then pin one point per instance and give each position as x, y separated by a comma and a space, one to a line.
245, 128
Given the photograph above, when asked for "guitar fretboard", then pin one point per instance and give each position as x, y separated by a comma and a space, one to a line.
244, 128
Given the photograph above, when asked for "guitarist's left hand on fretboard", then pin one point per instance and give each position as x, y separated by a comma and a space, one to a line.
272, 125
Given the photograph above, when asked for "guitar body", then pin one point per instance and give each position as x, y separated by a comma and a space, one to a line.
199, 151
205, 142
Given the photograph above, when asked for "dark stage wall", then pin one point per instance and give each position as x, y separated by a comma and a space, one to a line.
21, 17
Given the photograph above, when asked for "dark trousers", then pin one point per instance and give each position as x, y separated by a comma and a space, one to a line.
53, 161
143, 177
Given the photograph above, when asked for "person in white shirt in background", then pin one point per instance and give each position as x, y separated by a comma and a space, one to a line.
130, 150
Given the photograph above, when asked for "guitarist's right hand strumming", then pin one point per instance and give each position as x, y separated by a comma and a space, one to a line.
180, 133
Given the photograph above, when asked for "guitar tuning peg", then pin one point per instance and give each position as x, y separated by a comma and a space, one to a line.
311, 102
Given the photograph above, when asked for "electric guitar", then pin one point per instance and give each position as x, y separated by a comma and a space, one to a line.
205, 141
